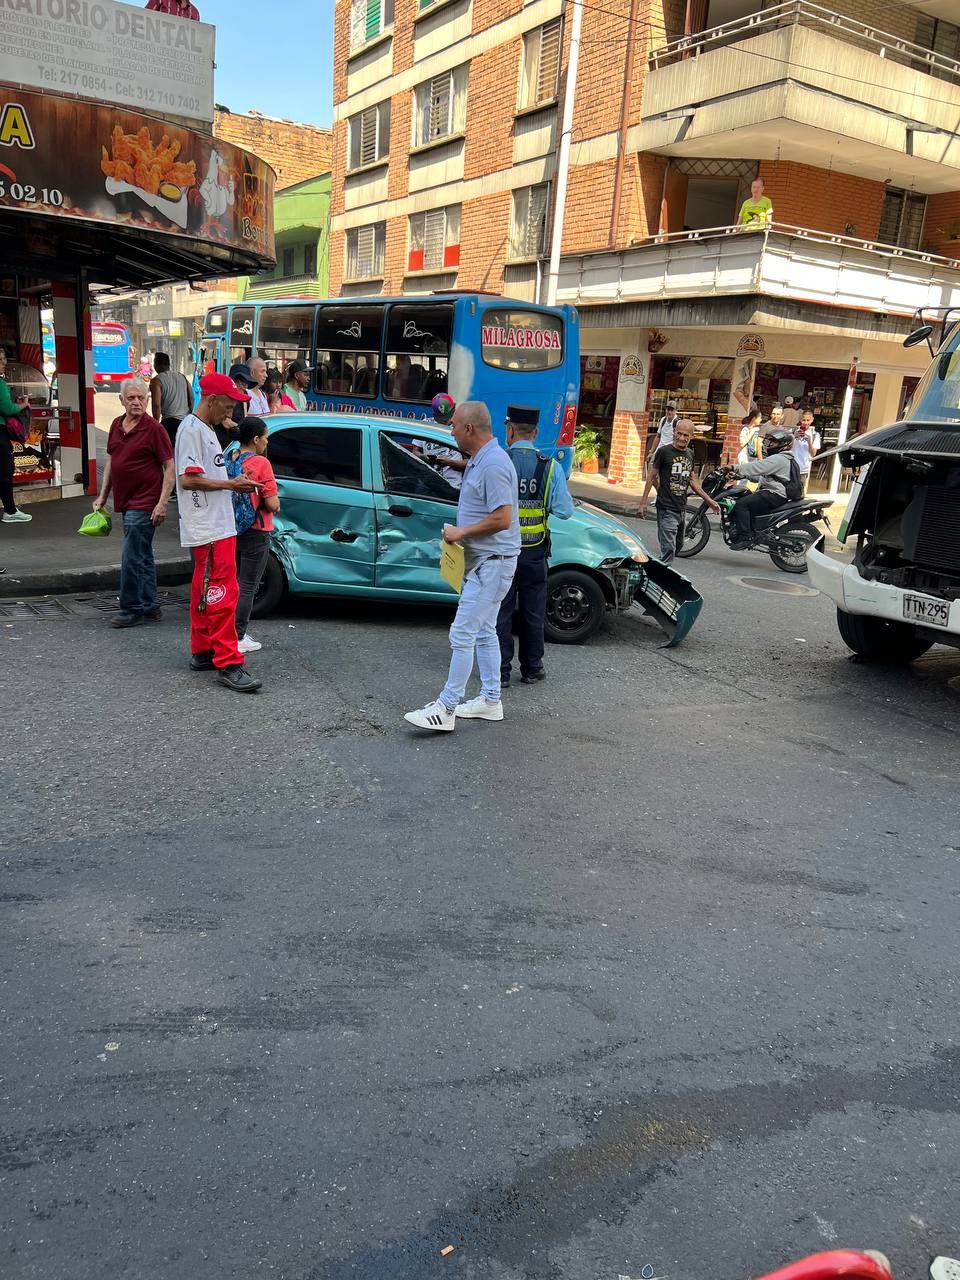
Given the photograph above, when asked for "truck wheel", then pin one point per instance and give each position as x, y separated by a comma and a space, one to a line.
878, 640
575, 607
272, 589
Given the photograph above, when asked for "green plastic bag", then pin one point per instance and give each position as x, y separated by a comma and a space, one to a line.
97, 524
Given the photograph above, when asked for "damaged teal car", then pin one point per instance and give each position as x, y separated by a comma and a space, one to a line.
362, 503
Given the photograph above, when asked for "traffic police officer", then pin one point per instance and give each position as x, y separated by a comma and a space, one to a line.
543, 492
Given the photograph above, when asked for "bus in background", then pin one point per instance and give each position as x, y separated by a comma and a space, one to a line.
49, 344
114, 357
391, 356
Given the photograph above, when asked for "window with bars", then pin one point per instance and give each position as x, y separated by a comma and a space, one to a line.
369, 136
901, 218
365, 246
434, 240
368, 19
540, 71
528, 232
440, 106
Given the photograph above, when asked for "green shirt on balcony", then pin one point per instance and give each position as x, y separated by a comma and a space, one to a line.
756, 214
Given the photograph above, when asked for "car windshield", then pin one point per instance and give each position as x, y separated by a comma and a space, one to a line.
937, 397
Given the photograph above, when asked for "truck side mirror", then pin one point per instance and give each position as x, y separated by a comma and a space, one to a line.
923, 334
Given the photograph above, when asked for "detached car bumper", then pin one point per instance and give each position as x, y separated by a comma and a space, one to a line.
842, 584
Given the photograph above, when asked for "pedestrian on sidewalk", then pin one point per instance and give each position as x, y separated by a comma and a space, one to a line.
751, 442
207, 526
253, 543
791, 413
259, 404
139, 471
543, 493
171, 398
671, 473
9, 408
806, 446
665, 427
488, 528
297, 384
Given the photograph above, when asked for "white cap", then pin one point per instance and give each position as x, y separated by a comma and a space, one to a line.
789, 400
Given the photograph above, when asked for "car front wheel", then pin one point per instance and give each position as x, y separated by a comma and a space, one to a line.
575, 607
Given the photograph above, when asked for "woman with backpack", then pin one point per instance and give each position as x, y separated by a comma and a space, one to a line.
254, 516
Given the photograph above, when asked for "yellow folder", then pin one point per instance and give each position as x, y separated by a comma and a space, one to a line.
452, 564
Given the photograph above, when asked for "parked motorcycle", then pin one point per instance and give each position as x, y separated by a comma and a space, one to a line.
785, 533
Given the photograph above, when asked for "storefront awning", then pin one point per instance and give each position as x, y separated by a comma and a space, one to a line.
130, 199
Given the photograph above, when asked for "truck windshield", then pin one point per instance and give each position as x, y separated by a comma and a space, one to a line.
937, 397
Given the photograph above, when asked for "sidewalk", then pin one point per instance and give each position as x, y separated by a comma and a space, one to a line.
48, 556
624, 499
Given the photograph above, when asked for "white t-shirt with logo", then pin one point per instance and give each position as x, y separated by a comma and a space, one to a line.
205, 515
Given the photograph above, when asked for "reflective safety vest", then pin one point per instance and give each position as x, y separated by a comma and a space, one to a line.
534, 471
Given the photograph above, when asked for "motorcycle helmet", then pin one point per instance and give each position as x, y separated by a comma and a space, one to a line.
777, 441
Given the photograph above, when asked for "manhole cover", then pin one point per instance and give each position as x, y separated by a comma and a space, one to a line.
776, 584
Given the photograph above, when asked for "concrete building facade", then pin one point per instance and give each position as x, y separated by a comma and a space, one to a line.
445, 142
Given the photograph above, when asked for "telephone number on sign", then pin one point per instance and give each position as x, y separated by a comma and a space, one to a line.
23, 193
157, 97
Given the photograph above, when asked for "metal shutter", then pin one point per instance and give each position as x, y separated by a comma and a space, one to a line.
366, 246
368, 135
438, 106
548, 72
536, 221
434, 237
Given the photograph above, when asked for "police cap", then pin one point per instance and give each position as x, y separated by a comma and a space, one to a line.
523, 415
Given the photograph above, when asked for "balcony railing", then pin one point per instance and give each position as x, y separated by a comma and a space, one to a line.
783, 262
801, 13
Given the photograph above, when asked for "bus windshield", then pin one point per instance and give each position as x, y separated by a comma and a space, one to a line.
937, 397
392, 356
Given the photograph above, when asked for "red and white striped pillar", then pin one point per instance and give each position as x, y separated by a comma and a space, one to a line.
74, 341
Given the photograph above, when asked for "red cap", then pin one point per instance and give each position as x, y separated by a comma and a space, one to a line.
218, 384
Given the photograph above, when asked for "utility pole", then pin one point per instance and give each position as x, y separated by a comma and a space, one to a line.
563, 153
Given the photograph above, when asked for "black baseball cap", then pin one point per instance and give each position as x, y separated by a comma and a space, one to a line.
241, 371
298, 366
523, 415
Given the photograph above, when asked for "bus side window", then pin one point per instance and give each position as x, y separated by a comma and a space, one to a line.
419, 335
348, 350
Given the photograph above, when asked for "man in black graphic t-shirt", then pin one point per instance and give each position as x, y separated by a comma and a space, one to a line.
671, 474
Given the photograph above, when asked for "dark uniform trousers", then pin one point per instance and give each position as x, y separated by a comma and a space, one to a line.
528, 598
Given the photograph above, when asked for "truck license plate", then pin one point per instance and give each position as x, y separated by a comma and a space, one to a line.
932, 613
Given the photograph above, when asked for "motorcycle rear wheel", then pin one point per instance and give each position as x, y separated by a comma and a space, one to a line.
793, 561
696, 533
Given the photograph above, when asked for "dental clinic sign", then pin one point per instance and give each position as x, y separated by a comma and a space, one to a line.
115, 53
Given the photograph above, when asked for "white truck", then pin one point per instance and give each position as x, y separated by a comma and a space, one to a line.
901, 593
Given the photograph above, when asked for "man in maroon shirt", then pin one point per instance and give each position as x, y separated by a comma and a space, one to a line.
141, 473
176, 8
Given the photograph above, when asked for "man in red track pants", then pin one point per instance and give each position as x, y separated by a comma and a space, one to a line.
207, 527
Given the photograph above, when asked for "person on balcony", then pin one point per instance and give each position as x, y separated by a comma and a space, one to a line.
756, 214
176, 8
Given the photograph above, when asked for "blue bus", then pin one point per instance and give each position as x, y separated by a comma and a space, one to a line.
114, 355
391, 356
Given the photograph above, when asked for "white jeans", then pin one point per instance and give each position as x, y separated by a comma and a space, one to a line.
474, 630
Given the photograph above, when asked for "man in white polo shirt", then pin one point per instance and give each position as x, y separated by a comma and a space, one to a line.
207, 526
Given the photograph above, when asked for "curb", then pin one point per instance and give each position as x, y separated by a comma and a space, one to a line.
631, 510
93, 578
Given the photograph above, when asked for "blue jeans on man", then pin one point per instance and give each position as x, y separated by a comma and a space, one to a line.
138, 572
474, 629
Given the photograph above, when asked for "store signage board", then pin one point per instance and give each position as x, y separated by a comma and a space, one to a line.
63, 158
112, 52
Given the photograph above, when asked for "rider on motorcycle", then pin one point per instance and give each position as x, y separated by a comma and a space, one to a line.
773, 473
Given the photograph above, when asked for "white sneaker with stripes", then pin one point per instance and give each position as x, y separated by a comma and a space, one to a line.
433, 716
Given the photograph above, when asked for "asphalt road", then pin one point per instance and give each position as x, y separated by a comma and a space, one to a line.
661, 971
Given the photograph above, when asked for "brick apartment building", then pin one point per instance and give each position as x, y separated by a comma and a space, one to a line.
445, 143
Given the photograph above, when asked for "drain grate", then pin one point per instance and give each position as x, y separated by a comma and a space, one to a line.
22, 611
776, 585
77, 606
